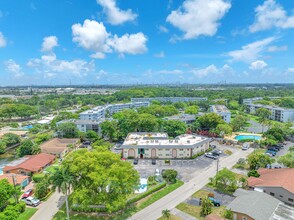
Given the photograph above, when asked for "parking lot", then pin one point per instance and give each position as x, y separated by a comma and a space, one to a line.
185, 167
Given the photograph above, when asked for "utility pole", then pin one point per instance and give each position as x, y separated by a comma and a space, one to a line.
14, 184
217, 165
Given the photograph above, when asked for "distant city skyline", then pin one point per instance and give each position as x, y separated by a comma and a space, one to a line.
146, 42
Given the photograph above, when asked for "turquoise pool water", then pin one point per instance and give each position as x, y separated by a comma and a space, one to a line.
252, 137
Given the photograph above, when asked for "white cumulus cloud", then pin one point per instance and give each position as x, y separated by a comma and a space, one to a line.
12, 67
277, 48
115, 15
199, 17
258, 65
2, 40
252, 51
94, 37
161, 54
49, 43
270, 14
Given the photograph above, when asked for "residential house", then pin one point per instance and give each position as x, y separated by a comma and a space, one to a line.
278, 183
58, 146
30, 164
18, 180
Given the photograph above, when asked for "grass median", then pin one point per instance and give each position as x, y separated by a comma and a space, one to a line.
27, 214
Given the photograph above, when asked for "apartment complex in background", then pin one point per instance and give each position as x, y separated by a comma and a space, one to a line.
278, 113
186, 118
101, 112
158, 145
223, 111
251, 100
169, 99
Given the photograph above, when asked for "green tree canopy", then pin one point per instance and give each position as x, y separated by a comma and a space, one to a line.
238, 122
210, 121
192, 110
287, 160
68, 130
101, 178
2, 147
258, 160
174, 128
11, 139
170, 175
27, 147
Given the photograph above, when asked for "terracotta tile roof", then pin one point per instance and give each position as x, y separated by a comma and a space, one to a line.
19, 178
33, 163
283, 177
56, 145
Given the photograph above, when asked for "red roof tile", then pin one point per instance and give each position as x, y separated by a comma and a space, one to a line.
19, 178
274, 178
33, 163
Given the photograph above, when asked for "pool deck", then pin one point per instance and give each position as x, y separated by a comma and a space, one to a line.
234, 134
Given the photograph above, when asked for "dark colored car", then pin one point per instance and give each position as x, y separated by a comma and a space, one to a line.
214, 201
273, 153
27, 193
213, 146
86, 142
216, 152
210, 155
153, 162
273, 149
135, 162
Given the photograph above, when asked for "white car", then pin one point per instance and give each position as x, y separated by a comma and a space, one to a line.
31, 201
245, 147
157, 172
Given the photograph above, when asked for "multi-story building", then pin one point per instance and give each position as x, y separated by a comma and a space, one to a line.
223, 111
169, 99
101, 112
278, 113
251, 100
158, 145
187, 118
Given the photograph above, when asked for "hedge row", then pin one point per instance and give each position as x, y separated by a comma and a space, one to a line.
38, 177
147, 193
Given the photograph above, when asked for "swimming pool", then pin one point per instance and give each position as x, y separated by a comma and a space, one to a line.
247, 136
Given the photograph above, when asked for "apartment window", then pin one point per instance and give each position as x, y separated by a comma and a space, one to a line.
272, 194
159, 154
167, 155
290, 200
281, 196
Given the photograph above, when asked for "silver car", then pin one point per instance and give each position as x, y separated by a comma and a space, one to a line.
31, 201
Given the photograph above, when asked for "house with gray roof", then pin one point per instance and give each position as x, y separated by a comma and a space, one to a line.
254, 205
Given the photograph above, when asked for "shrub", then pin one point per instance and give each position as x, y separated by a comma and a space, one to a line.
38, 177
253, 173
228, 214
42, 189
170, 175
21, 206
131, 157
145, 194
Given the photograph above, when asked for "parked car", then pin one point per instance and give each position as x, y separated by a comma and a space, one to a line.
216, 152
117, 147
153, 162
135, 162
210, 155
157, 172
273, 153
31, 201
276, 149
86, 142
27, 193
214, 201
245, 146
213, 146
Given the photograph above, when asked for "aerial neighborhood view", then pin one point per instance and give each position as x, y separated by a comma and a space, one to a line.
146, 110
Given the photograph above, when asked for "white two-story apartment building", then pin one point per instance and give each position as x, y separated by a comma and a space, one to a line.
223, 111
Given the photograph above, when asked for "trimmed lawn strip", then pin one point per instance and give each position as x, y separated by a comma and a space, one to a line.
201, 194
195, 210
27, 214
158, 195
172, 217
141, 204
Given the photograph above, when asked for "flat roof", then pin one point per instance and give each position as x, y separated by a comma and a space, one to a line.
161, 140
271, 107
220, 109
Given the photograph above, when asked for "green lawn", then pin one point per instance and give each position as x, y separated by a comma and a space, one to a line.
201, 193
52, 168
27, 214
141, 204
172, 217
195, 210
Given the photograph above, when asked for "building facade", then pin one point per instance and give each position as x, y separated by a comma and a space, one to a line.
223, 111
158, 145
251, 100
277, 113
186, 118
169, 99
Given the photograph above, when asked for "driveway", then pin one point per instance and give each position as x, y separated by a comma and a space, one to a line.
47, 209
199, 180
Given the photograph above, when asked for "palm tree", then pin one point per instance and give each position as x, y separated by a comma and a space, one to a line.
166, 213
62, 179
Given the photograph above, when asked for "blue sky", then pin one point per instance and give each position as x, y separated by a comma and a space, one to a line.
53, 42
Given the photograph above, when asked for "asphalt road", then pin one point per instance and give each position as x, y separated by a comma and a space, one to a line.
49, 208
200, 179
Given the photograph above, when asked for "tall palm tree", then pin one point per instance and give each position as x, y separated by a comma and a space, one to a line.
166, 213
62, 179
